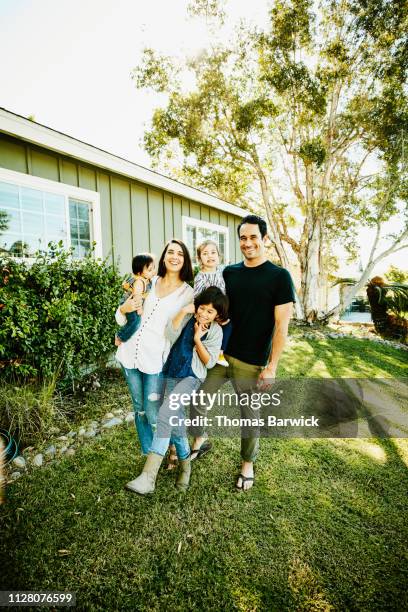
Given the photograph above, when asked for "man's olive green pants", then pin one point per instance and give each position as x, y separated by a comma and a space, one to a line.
244, 378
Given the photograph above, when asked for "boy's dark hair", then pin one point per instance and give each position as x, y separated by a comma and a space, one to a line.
139, 262
254, 220
214, 296
186, 272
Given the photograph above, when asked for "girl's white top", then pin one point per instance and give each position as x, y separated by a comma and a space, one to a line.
203, 280
148, 348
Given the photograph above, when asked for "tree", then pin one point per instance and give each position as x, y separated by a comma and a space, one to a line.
395, 275
4, 221
385, 299
303, 114
19, 248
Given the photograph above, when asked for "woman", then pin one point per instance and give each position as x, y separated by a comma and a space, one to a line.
196, 338
142, 357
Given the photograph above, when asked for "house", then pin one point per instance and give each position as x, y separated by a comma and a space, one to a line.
54, 187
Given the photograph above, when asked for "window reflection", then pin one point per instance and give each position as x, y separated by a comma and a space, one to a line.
31, 218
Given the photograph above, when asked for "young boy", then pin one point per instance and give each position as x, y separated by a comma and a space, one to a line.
137, 284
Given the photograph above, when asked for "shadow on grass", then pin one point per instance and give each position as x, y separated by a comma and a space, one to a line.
323, 529
342, 358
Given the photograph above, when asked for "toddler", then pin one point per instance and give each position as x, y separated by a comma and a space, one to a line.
210, 275
137, 284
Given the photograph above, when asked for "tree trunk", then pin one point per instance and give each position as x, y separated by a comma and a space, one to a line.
310, 269
349, 295
278, 243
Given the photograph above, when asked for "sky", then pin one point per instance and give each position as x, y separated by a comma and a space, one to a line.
69, 63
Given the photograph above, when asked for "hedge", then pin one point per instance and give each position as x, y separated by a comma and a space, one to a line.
56, 315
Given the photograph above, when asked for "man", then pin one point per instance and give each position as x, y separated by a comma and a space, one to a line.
261, 302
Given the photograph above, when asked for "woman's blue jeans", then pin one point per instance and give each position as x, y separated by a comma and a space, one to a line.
146, 392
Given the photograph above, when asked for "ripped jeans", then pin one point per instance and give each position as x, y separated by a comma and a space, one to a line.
146, 393
173, 410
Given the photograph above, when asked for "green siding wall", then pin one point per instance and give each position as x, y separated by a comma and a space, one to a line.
87, 178
156, 221
168, 217
205, 213
121, 222
195, 210
177, 223
69, 173
140, 219
13, 156
44, 165
106, 213
135, 217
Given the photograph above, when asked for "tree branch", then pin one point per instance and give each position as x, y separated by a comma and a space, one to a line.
393, 248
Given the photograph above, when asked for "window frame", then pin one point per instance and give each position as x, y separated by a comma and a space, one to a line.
68, 191
199, 223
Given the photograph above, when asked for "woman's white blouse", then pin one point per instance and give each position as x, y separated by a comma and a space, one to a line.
148, 348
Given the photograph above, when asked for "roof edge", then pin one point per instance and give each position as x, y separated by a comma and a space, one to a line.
36, 133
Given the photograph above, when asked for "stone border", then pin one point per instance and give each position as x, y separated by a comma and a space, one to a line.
64, 445
319, 335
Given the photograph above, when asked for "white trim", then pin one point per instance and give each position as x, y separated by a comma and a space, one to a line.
206, 225
31, 131
69, 191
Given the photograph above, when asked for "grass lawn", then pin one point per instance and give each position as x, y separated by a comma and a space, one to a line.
325, 527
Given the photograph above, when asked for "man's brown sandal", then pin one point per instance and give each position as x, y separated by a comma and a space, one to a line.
244, 479
200, 452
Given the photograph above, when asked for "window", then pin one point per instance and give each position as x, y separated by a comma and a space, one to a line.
34, 212
196, 231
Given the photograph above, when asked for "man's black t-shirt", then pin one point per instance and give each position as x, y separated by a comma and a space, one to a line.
253, 294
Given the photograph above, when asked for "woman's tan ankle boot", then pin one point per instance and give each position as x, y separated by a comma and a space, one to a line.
145, 483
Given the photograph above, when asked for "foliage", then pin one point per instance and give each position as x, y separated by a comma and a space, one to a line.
4, 220
395, 275
309, 113
389, 307
159, 72
210, 9
395, 297
344, 281
56, 315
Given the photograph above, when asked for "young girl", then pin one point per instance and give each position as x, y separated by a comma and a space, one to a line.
197, 341
210, 275
137, 285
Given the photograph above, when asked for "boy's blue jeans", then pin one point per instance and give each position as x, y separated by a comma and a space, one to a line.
132, 324
146, 391
226, 335
170, 421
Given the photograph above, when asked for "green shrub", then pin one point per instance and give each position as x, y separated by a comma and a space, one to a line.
56, 315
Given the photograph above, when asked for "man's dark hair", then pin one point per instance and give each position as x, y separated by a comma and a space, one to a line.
214, 296
139, 262
254, 220
186, 272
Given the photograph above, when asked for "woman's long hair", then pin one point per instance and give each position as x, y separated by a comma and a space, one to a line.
186, 272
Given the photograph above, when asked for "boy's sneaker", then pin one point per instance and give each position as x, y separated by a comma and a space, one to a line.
222, 361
